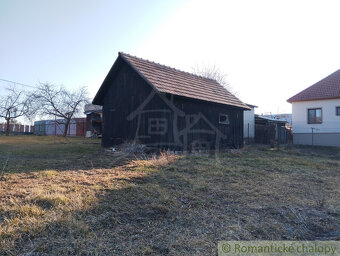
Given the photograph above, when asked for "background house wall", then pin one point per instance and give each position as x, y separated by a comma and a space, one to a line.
249, 124
325, 134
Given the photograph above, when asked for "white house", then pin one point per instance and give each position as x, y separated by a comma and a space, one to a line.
316, 113
249, 124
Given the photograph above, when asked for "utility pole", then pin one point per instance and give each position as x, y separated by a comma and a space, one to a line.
278, 136
55, 125
248, 133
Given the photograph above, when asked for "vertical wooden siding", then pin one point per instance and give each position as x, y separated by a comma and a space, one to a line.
128, 91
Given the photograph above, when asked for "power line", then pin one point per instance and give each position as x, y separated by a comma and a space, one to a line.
9, 81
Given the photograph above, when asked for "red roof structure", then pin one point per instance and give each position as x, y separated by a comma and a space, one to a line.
327, 88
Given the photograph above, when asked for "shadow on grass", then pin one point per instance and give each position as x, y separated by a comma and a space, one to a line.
71, 154
186, 207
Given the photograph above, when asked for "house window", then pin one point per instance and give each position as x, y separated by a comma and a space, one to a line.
314, 116
223, 119
158, 126
338, 111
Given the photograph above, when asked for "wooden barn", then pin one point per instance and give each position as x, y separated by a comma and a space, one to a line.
163, 107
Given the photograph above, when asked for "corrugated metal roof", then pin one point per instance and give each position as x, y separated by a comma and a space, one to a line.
93, 108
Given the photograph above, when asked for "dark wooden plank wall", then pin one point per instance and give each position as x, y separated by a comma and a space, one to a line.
211, 111
128, 91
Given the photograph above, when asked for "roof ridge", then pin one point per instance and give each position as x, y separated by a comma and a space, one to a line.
322, 79
324, 82
167, 79
162, 65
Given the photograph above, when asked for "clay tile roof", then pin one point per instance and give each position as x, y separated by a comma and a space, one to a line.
173, 81
327, 88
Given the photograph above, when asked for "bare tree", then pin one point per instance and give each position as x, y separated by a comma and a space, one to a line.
213, 72
52, 100
14, 105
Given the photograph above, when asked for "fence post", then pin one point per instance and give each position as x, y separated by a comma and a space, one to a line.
278, 136
248, 133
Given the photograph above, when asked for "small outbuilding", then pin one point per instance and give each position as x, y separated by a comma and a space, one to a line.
94, 115
164, 107
270, 131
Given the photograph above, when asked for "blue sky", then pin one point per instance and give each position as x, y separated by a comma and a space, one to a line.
269, 49
73, 43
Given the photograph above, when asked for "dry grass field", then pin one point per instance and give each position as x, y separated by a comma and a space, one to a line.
74, 198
